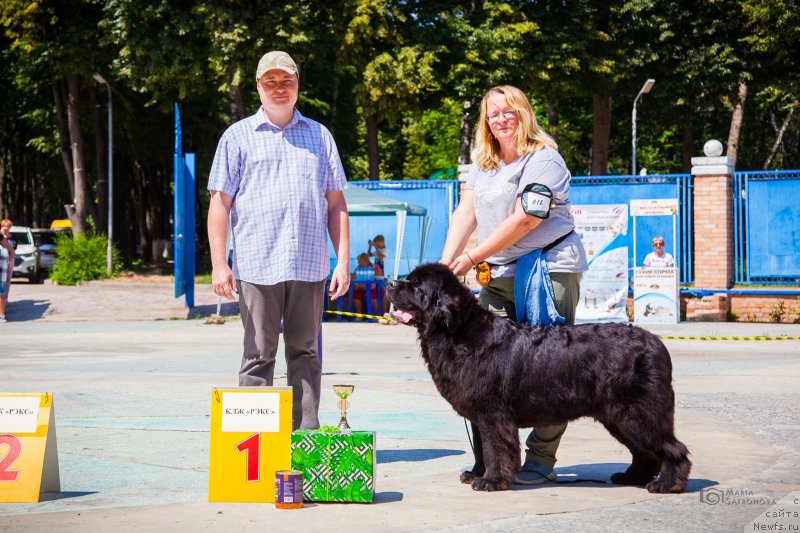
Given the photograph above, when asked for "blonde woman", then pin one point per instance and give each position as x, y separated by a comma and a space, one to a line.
517, 198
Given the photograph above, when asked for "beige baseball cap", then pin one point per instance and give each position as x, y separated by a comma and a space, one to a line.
276, 59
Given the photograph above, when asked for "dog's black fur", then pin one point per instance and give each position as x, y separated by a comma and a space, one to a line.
502, 375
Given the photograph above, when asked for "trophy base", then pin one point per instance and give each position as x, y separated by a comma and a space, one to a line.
343, 425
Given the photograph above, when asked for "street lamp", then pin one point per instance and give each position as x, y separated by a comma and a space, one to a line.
109, 250
645, 89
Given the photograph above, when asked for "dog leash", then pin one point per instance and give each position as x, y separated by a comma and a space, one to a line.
565, 482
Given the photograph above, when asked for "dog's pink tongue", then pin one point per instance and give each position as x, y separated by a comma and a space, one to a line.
403, 316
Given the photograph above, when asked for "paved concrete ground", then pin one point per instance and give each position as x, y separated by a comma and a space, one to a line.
132, 390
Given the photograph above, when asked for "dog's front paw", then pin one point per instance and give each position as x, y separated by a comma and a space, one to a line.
468, 476
489, 485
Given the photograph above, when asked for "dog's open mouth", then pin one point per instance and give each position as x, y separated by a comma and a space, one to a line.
406, 317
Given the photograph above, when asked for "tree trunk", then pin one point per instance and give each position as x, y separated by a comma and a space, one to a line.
141, 214
63, 134
372, 146
83, 206
101, 159
736, 121
796, 154
465, 149
237, 103
3, 208
38, 191
27, 188
157, 192
687, 150
601, 110
552, 118
17, 179
779, 138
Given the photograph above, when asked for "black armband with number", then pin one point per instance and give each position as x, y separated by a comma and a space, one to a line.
537, 200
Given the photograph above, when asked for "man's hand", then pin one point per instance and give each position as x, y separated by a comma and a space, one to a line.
340, 282
223, 282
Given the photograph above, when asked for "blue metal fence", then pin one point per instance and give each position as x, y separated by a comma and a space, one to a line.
623, 189
441, 198
766, 218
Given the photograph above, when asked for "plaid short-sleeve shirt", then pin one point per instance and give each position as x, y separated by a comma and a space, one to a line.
278, 178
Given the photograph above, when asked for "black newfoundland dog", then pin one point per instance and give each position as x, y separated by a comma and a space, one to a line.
501, 376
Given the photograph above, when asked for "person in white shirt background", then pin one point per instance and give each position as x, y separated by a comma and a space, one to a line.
658, 257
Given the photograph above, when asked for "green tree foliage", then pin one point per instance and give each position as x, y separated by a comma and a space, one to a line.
431, 141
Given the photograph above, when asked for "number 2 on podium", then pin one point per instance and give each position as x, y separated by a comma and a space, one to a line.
252, 447
14, 451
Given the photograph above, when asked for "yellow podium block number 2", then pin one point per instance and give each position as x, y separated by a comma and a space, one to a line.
251, 432
28, 455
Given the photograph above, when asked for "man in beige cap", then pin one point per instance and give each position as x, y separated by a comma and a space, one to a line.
278, 179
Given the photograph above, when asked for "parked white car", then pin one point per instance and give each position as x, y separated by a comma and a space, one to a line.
26, 260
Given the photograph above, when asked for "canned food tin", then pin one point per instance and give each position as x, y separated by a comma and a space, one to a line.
288, 489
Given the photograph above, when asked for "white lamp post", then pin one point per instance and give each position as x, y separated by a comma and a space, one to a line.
109, 255
645, 89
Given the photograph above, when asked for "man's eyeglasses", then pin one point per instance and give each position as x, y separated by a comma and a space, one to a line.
658, 244
274, 84
507, 115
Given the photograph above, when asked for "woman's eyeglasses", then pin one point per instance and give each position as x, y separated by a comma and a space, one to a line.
507, 115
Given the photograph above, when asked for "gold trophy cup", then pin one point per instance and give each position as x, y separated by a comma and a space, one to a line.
343, 392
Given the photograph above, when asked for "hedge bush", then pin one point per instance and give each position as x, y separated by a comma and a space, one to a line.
82, 258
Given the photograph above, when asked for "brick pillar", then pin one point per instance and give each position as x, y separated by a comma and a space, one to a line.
713, 233
713, 222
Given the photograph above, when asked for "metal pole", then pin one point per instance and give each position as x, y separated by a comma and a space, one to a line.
644, 90
633, 139
110, 249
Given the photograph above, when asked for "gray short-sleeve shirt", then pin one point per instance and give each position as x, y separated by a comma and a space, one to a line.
496, 193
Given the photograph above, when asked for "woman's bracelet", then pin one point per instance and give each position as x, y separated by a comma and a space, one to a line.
470, 258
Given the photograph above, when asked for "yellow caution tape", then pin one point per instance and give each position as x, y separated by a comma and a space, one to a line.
759, 338
347, 313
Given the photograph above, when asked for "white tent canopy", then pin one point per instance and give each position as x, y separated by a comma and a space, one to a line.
363, 202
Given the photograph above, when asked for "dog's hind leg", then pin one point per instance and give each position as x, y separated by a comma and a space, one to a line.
643, 467
468, 476
500, 446
675, 467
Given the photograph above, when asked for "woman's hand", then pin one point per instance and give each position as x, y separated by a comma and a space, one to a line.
461, 265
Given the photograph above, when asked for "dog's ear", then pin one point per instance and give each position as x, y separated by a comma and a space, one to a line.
442, 311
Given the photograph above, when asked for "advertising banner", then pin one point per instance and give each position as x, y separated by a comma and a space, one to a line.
603, 229
656, 298
655, 295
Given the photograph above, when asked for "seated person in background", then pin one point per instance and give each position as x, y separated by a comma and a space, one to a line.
380, 253
658, 257
364, 271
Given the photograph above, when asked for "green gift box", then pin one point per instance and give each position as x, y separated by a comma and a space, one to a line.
337, 467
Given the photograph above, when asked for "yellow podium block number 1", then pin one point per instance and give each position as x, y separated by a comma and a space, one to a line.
28, 455
251, 433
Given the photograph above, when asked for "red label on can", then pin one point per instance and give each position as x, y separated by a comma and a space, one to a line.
288, 489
